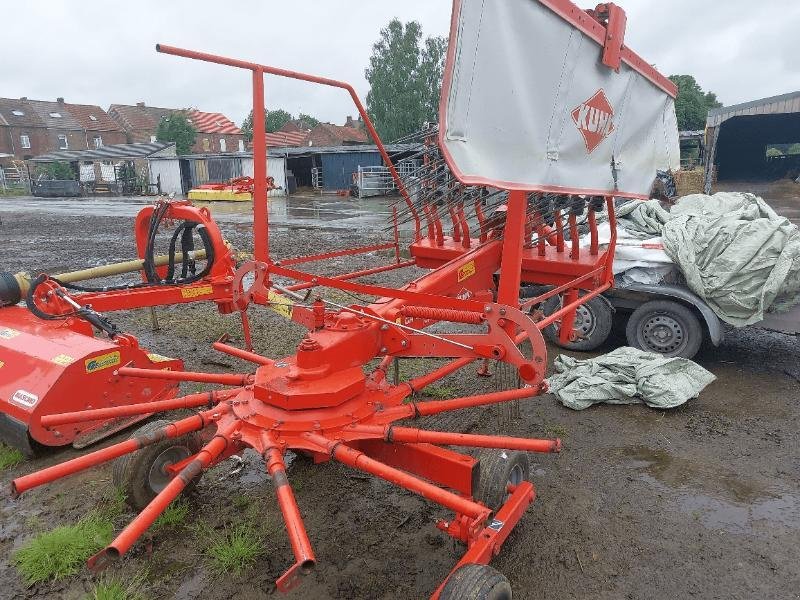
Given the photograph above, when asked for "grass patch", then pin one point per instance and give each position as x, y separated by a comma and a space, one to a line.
62, 551
174, 515
114, 589
556, 430
235, 550
9, 457
440, 392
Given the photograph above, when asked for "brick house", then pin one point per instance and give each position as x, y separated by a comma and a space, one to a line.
63, 131
101, 130
215, 132
326, 134
30, 128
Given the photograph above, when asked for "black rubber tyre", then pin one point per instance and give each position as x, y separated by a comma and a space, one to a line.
665, 327
593, 322
476, 582
140, 475
498, 468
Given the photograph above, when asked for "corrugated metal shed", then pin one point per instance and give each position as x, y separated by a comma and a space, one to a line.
111, 152
169, 172
785, 103
179, 174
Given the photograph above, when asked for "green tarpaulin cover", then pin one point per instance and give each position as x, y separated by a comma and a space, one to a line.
734, 251
627, 376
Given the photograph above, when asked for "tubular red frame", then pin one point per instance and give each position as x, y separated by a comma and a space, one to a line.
320, 400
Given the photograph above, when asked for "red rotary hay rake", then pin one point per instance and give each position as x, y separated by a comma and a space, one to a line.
329, 400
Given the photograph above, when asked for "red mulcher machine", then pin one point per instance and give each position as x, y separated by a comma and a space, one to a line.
52, 361
550, 115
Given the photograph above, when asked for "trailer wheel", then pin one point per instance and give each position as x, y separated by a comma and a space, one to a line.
498, 468
665, 327
476, 582
593, 322
141, 475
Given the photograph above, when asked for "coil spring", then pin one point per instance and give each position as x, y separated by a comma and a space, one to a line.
442, 314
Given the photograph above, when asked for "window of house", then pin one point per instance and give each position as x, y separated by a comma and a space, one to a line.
92, 118
206, 145
25, 141
18, 113
152, 139
62, 142
98, 141
241, 145
55, 115
223, 145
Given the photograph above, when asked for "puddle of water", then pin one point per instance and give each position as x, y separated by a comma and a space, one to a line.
717, 498
193, 587
251, 472
293, 211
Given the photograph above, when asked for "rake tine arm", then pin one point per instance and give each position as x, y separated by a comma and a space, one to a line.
152, 511
295, 528
434, 407
221, 378
411, 435
358, 460
189, 401
173, 430
243, 354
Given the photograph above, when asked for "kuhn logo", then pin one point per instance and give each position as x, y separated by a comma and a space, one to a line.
594, 119
25, 399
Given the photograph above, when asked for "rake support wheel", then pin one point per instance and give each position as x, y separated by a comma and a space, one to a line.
141, 475
499, 468
476, 582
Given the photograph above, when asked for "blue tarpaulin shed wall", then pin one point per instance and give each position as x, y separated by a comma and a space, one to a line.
338, 168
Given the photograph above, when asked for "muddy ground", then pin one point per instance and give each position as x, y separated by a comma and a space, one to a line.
701, 501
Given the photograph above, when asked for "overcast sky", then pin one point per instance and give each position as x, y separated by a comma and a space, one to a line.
101, 52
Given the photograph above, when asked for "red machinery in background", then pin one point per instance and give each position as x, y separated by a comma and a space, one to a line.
52, 360
326, 400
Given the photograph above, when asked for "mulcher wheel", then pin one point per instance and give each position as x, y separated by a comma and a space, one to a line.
476, 582
141, 475
498, 468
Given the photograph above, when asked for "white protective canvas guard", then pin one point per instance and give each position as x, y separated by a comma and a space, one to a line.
527, 104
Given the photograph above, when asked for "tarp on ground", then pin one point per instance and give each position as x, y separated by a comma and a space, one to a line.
627, 376
734, 251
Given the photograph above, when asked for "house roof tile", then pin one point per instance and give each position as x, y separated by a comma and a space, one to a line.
205, 122
47, 112
28, 118
83, 113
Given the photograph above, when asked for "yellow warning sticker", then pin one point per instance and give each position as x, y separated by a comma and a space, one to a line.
466, 271
280, 303
104, 361
157, 358
64, 360
7, 333
196, 292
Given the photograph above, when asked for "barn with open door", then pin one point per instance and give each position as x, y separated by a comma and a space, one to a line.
758, 140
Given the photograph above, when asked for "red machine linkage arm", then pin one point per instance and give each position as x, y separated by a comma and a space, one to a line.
259, 145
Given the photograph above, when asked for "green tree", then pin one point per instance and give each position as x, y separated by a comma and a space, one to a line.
274, 121
431, 70
176, 128
692, 104
405, 77
307, 121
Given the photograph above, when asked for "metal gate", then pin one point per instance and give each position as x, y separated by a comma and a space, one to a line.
316, 178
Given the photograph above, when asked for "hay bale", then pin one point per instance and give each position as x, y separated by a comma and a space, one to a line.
690, 182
